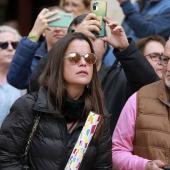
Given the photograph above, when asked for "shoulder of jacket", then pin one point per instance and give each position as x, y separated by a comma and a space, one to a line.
30, 98
149, 90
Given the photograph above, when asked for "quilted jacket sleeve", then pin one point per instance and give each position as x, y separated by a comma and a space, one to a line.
14, 134
20, 67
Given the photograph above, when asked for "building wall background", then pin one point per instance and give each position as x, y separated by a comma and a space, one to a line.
22, 13
114, 12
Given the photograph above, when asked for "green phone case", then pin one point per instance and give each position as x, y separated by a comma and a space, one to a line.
99, 8
63, 22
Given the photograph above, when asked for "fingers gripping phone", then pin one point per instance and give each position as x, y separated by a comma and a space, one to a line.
99, 8
64, 21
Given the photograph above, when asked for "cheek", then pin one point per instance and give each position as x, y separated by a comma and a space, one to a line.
65, 30
90, 72
153, 64
66, 71
66, 77
80, 8
3, 53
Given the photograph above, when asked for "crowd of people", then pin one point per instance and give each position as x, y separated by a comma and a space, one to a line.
48, 88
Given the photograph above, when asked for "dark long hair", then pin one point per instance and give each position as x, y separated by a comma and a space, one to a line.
52, 80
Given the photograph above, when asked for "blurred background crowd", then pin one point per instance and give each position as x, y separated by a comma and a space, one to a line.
22, 14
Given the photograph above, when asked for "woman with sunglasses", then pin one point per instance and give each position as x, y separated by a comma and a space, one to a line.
69, 91
9, 39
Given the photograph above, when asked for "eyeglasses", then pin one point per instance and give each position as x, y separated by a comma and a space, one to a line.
4, 45
164, 60
74, 57
154, 56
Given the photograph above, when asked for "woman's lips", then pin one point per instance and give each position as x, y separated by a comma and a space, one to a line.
82, 72
58, 36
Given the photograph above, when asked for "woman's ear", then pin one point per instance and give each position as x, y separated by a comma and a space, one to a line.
43, 34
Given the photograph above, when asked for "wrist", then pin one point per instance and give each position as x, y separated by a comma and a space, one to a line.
122, 48
33, 37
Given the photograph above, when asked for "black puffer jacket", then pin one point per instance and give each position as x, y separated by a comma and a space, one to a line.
51, 146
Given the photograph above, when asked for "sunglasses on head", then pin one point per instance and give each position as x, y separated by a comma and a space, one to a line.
4, 45
74, 57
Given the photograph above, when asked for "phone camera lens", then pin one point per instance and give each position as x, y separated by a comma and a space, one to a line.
95, 6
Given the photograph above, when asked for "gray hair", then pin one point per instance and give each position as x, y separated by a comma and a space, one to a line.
5, 28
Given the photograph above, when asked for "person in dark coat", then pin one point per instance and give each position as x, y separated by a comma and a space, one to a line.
69, 90
118, 82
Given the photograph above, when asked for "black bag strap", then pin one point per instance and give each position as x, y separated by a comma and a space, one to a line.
36, 122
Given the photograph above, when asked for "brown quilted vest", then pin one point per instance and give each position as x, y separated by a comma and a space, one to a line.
152, 135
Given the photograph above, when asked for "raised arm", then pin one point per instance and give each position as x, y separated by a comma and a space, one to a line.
137, 69
155, 21
27, 55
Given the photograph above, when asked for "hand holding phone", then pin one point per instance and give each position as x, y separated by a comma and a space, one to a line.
99, 8
117, 37
88, 25
41, 21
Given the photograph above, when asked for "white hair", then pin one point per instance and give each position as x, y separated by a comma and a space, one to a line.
5, 28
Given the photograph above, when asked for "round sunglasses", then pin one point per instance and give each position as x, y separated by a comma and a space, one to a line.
74, 57
4, 45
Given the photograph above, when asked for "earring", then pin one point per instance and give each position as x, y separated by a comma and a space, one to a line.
88, 87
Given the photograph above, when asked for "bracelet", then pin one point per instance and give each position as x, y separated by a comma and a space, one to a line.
33, 37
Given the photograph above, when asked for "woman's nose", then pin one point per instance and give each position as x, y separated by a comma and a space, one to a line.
82, 61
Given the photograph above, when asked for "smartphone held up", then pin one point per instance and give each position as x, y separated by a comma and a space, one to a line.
100, 9
64, 21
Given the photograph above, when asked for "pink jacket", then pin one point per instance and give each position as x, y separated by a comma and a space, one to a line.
122, 140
